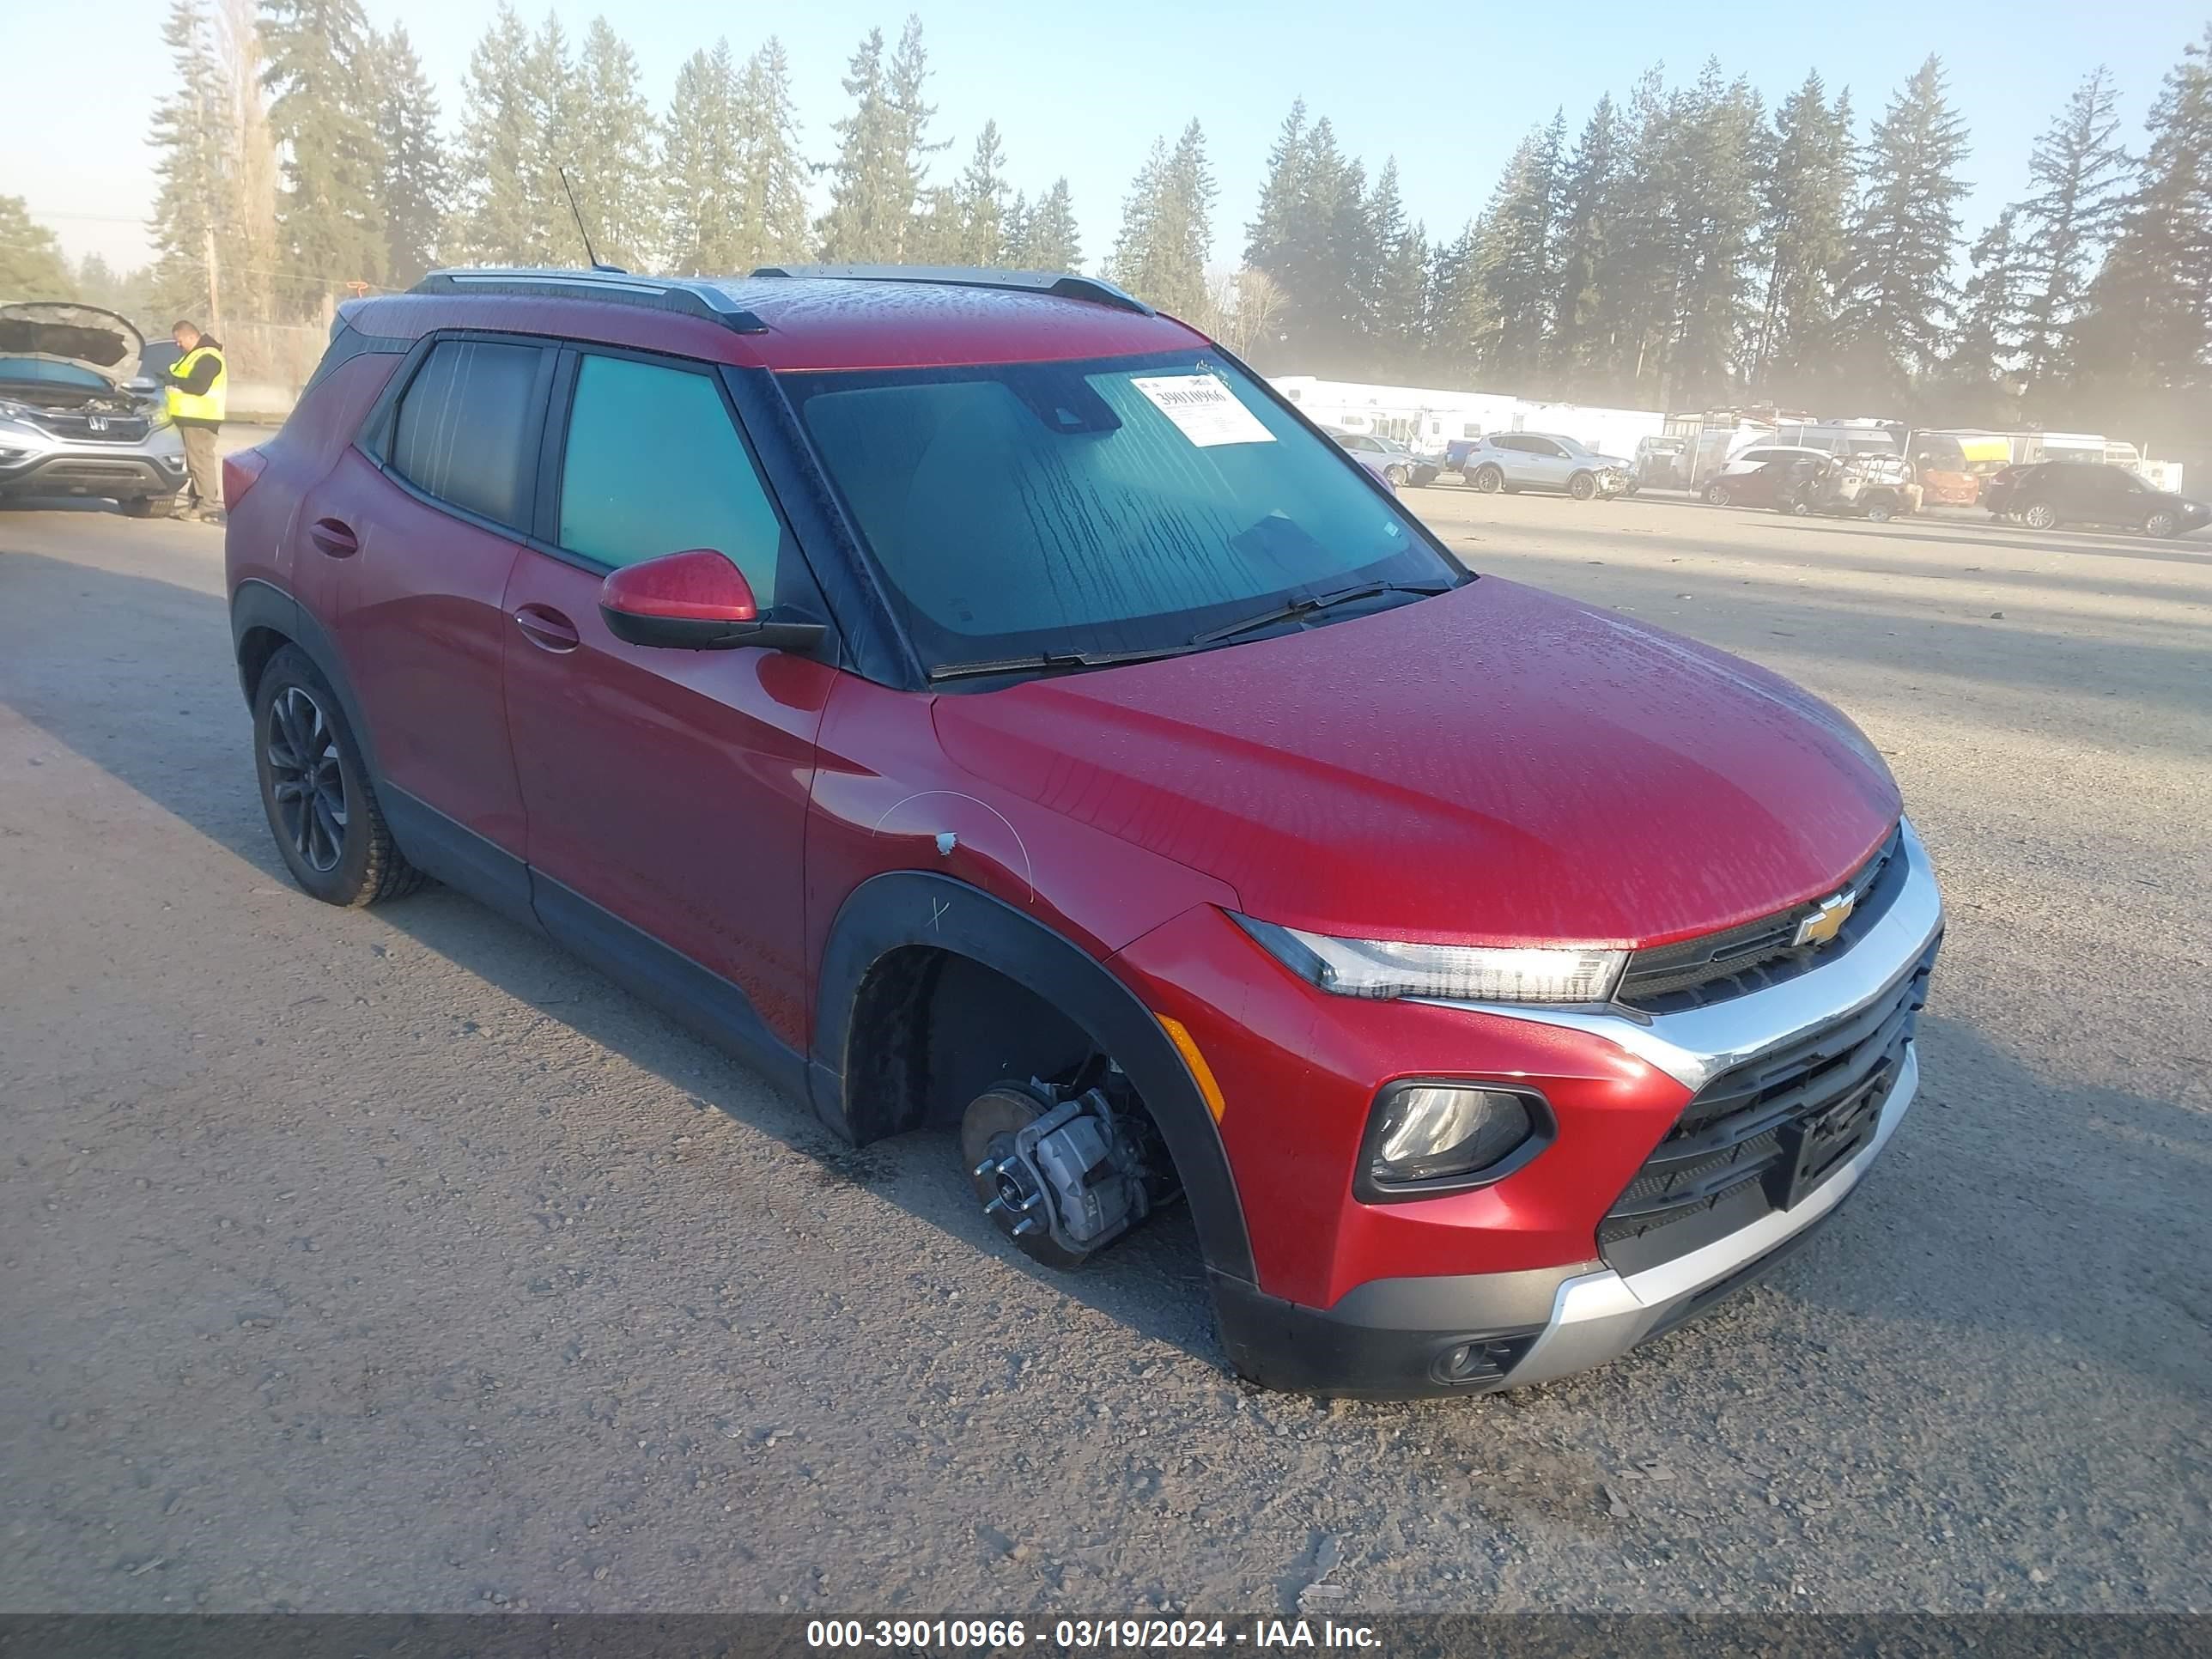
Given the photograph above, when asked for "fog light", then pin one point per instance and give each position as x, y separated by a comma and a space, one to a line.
1427, 1137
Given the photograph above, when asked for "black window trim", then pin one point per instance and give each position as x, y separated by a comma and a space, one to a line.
553, 457
375, 439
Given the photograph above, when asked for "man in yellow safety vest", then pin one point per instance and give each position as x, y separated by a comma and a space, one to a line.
197, 393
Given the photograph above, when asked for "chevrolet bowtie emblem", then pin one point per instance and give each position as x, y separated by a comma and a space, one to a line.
1824, 923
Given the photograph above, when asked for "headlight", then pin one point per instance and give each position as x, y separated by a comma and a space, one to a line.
1435, 1135
157, 417
1383, 968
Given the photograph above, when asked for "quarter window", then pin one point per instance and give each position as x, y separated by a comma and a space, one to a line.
654, 465
467, 427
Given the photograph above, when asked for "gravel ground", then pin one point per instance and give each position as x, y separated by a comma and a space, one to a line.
392, 1260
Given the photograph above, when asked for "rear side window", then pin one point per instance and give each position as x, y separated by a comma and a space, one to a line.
654, 465
467, 427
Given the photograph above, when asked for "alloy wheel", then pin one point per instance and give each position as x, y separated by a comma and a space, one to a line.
305, 780
2160, 524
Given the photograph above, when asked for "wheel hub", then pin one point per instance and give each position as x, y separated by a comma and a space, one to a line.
305, 783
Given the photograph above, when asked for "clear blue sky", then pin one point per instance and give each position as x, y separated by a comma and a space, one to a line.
1083, 90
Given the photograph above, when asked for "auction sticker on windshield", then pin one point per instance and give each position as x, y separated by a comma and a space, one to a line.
1204, 409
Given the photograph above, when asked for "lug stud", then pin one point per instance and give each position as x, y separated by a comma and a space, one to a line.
988, 1167
1025, 1226
995, 1205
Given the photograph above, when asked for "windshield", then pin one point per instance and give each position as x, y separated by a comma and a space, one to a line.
1573, 448
1103, 506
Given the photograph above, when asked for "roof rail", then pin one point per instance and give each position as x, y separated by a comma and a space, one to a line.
1095, 289
680, 294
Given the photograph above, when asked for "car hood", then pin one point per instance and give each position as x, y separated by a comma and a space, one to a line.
1495, 765
85, 337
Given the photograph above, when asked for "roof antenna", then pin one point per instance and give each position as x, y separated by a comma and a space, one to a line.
590, 253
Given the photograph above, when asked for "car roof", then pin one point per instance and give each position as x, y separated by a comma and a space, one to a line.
807, 319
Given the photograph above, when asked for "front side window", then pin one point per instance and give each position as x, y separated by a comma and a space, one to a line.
654, 464
1129, 504
467, 428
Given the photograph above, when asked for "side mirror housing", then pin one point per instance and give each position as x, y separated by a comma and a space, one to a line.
694, 601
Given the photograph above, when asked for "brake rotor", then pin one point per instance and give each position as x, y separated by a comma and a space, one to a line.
1010, 1191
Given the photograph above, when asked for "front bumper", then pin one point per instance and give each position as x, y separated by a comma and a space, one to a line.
1397, 1334
155, 466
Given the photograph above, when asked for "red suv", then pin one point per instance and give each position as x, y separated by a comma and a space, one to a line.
978, 700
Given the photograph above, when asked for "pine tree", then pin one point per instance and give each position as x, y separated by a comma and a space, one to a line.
772, 227
1638, 267
871, 187
1513, 259
1167, 227
2149, 319
1273, 230
556, 110
1462, 319
1805, 197
1398, 277
1325, 320
31, 266
190, 136
498, 217
1016, 230
321, 81
1718, 128
1588, 186
1993, 305
934, 236
609, 150
411, 179
246, 237
1896, 298
2081, 176
1049, 241
703, 219
981, 202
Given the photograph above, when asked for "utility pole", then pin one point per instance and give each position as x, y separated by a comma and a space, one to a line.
215, 296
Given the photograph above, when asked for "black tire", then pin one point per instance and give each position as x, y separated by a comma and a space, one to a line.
2039, 515
1582, 486
1799, 509
1488, 480
151, 506
315, 789
1880, 512
2161, 524
1717, 493
1398, 476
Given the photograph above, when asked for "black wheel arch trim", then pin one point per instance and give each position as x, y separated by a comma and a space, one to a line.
260, 605
908, 907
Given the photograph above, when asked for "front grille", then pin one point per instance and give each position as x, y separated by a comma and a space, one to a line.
111, 429
1762, 1135
1714, 967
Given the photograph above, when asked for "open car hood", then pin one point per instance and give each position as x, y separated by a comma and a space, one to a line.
60, 331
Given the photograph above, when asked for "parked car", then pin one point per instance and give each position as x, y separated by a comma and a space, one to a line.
980, 703
2053, 493
1513, 461
74, 420
1787, 483
1392, 458
1747, 461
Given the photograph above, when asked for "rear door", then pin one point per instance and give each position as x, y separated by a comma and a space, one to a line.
667, 790
426, 530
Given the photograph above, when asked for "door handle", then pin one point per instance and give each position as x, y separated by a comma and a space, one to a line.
547, 629
334, 537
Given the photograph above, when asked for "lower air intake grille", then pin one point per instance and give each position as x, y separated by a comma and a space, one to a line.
1760, 1137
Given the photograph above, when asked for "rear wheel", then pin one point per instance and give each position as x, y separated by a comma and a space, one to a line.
1582, 486
1880, 511
2041, 515
1717, 494
1488, 480
2161, 524
316, 791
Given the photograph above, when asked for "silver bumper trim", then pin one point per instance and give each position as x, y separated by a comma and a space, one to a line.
1696, 1045
1599, 1316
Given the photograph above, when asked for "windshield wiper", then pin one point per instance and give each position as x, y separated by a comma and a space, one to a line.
1048, 661
1296, 609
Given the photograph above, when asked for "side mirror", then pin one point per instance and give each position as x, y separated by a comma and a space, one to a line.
693, 601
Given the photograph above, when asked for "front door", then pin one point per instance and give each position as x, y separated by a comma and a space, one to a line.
665, 790
423, 550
